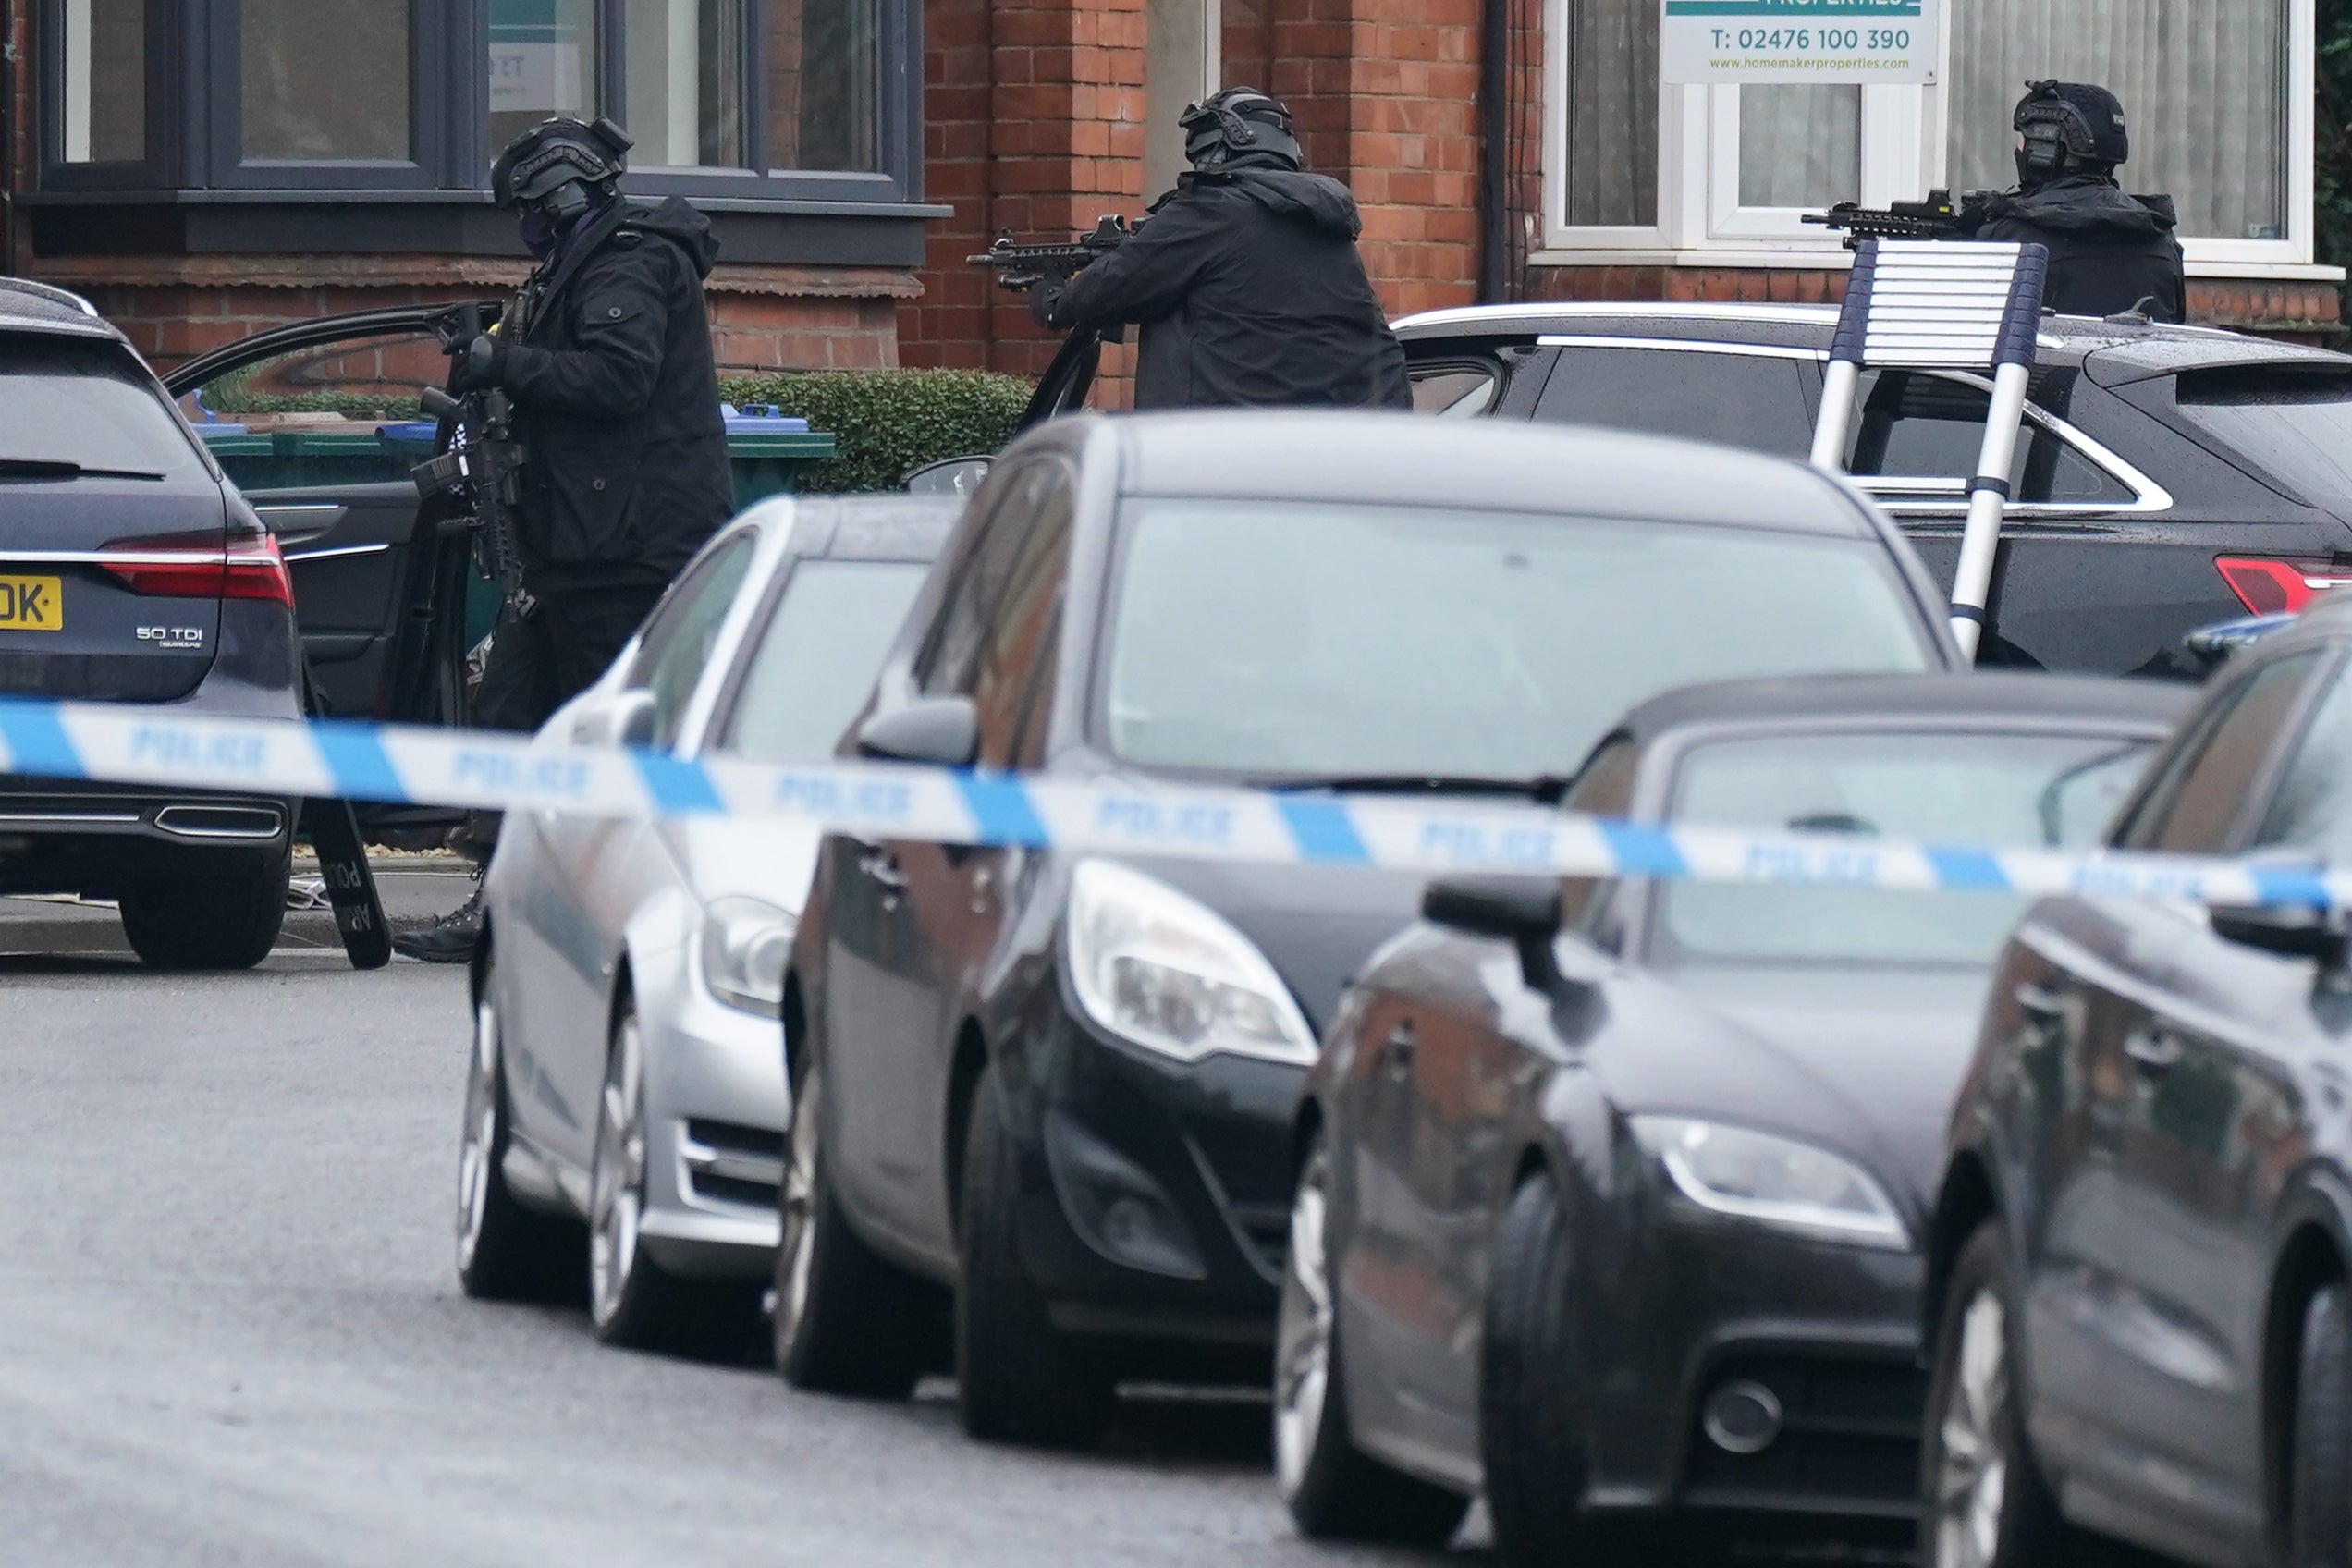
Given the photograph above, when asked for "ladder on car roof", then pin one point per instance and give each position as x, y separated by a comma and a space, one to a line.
1938, 304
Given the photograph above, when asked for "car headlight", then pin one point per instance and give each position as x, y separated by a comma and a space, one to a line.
1773, 1181
1156, 967
745, 943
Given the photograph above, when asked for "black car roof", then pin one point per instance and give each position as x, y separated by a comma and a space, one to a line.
1985, 700
2126, 350
27, 306
1389, 458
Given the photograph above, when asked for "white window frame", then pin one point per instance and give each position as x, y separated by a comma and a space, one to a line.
1700, 221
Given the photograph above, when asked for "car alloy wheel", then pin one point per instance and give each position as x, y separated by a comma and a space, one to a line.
617, 1200
1302, 1338
478, 1149
1972, 1477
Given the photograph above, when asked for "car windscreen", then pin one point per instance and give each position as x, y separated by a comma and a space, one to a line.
1280, 640
84, 405
815, 662
1969, 787
2297, 426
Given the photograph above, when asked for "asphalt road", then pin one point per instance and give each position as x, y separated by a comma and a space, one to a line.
230, 1334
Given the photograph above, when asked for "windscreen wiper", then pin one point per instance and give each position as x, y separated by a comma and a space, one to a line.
1545, 788
54, 468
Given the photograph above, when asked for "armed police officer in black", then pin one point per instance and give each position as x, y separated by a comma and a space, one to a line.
607, 357
1244, 279
2110, 252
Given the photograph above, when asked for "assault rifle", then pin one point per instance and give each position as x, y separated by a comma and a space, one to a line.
480, 469
1023, 267
1938, 218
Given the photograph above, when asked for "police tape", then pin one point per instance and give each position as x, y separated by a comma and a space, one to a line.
883, 800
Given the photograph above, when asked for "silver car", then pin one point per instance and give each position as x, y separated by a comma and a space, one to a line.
626, 1068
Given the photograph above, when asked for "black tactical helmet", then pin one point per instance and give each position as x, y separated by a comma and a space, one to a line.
1237, 120
2059, 119
561, 166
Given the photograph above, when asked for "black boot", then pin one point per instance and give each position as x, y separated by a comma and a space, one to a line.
450, 939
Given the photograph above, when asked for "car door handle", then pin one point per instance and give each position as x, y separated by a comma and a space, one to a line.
2154, 1050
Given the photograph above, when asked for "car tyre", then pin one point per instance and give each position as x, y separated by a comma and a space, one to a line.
2319, 1513
632, 1301
225, 922
846, 1321
1023, 1380
1533, 1411
1334, 1489
506, 1251
1984, 1501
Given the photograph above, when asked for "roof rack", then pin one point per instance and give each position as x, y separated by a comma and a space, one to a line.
50, 292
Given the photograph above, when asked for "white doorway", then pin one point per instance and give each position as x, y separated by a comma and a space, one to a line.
1181, 63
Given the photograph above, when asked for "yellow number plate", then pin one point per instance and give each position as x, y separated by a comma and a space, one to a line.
33, 603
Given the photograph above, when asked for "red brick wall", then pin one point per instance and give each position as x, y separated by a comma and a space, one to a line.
763, 318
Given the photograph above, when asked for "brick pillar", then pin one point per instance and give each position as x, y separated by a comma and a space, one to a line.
1035, 112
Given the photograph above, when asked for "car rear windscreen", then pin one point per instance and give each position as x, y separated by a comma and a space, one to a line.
815, 662
1286, 641
2295, 425
2020, 790
84, 404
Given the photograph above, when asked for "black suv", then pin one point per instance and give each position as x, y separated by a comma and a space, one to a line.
2173, 476
132, 571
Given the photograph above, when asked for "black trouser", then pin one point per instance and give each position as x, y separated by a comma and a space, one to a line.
542, 660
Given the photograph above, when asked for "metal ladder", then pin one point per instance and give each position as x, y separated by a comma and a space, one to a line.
1931, 304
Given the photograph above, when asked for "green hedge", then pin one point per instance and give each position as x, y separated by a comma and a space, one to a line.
891, 420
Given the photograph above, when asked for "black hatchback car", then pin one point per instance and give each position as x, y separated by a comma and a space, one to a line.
1611, 1191
2141, 1258
2170, 476
1063, 1085
132, 571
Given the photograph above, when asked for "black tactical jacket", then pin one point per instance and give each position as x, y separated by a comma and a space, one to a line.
1250, 291
2108, 251
617, 402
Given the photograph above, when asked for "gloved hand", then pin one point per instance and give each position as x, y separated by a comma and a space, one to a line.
485, 363
1042, 301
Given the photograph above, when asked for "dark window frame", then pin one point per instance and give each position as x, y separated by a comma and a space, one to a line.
195, 116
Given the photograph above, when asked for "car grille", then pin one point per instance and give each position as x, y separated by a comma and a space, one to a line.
1847, 1439
728, 1162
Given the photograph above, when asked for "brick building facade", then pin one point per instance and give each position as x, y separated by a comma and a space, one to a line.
853, 153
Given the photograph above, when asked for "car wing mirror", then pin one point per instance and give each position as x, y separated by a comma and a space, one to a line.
937, 732
2289, 931
1523, 910
949, 476
625, 719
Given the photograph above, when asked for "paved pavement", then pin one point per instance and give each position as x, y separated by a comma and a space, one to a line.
231, 1336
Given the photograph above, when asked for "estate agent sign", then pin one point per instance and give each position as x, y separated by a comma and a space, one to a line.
1722, 42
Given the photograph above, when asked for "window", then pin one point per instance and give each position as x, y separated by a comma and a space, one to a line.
1915, 425
683, 631
765, 99
2312, 810
997, 628
816, 660
1747, 400
1605, 788
542, 63
1455, 391
104, 45
2204, 82
2218, 92
86, 404
299, 105
2193, 808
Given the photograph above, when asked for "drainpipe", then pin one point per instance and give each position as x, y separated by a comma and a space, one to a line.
7, 135
1494, 152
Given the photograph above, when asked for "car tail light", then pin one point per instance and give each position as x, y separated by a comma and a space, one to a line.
2279, 587
244, 564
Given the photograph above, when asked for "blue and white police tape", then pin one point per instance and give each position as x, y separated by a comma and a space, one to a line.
478, 768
